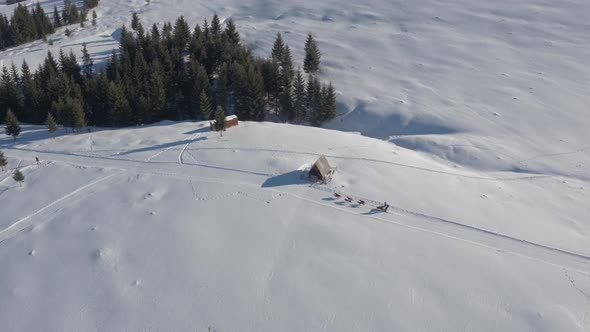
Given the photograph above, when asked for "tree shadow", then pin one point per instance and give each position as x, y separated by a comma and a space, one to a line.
29, 135
290, 178
198, 131
162, 146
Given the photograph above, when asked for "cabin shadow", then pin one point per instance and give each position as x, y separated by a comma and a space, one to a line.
291, 178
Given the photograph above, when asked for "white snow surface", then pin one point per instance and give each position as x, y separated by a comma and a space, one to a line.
469, 117
173, 227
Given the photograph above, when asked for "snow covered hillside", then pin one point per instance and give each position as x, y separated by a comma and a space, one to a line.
469, 117
172, 227
497, 85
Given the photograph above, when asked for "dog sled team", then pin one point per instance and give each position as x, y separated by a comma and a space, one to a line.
349, 199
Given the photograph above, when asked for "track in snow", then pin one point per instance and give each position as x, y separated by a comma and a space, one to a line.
21, 224
411, 220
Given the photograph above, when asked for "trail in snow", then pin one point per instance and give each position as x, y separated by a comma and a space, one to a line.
413, 220
480, 237
24, 222
191, 140
423, 169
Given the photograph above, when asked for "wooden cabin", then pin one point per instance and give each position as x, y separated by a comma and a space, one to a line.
230, 121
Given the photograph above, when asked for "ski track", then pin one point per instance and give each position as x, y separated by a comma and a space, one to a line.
550, 155
423, 169
21, 224
191, 140
421, 222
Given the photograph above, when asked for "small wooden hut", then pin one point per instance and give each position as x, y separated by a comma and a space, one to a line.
321, 170
230, 121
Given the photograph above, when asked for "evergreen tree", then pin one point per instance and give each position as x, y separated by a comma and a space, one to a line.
215, 26
286, 85
51, 124
31, 95
181, 33
87, 62
278, 49
314, 100
134, 21
74, 15
270, 72
12, 126
94, 17
3, 161
18, 177
233, 37
204, 106
299, 97
78, 117
56, 17
118, 106
220, 121
250, 104
66, 12
329, 102
311, 64
23, 24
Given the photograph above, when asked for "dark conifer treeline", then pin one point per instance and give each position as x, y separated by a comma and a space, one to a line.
28, 25
173, 73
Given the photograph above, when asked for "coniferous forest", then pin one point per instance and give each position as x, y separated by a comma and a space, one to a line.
28, 25
172, 73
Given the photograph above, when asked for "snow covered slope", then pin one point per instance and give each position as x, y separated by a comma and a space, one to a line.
169, 227
172, 227
497, 85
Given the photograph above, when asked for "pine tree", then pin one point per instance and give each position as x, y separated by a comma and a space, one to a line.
233, 37
74, 15
134, 21
215, 26
118, 106
78, 117
204, 106
87, 62
31, 95
311, 64
299, 97
286, 84
220, 121
18, 177
94, 17
12, 126
66, 12
329, 102
270, 72
314, 100
56, 17
181, 33
278, 49
250, 101
3, 161
51, 124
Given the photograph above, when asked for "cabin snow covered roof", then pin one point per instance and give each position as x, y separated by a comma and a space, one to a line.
321, 168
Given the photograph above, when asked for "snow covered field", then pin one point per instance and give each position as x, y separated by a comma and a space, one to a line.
174, 227
473, 119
